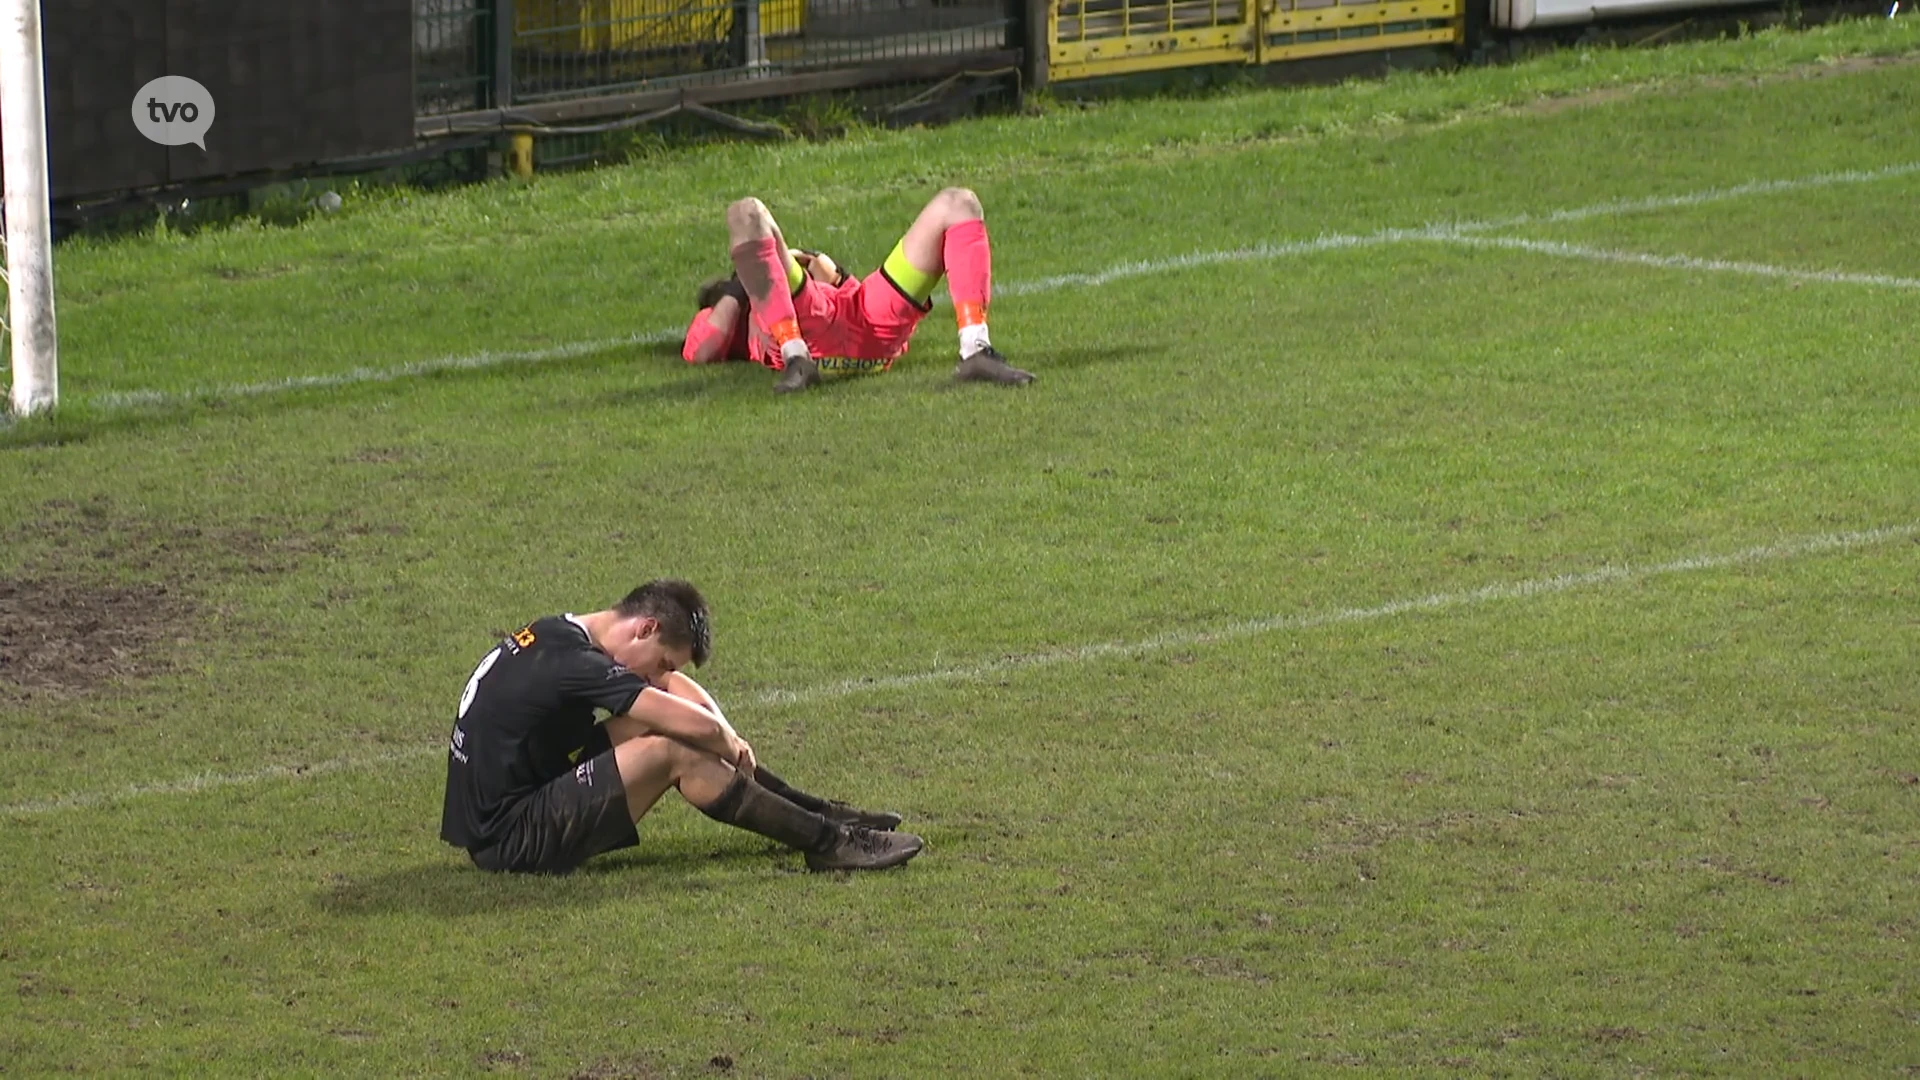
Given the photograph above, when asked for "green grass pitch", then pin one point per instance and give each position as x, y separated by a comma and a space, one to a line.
1446, 608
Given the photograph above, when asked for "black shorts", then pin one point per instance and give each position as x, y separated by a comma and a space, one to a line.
578, 815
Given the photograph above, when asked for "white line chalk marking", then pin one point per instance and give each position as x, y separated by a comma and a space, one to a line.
477, 361
1676, 262
1257, 253
1234, 631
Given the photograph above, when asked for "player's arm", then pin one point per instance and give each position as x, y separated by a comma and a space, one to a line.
680, 684
711, 349
683, 686
685, 720
819, 266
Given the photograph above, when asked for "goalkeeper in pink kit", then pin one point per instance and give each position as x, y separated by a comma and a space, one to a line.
790, 310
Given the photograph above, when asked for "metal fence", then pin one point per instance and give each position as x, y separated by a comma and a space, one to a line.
452, 56
564, 49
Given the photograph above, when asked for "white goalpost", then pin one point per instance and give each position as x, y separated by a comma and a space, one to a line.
28, 322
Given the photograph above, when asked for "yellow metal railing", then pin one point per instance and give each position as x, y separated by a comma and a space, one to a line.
1091, 38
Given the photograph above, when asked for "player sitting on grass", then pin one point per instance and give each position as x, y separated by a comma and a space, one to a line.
536, 785
798, 318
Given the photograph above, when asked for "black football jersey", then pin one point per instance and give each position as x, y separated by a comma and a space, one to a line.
528, 711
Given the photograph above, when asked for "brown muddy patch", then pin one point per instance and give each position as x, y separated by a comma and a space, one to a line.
102, 594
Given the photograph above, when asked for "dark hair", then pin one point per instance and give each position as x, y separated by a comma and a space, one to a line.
712, 292
679, 609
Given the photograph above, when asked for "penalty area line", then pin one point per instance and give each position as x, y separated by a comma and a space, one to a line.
1560, 250
1437, 601
1452, 230
1228, 632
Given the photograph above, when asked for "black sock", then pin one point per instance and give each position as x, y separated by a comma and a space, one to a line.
746, 805
787, 791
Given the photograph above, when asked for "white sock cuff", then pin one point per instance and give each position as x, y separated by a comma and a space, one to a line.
973, 339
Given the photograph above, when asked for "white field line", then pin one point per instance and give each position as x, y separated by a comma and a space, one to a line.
1081, 654
1263, 252
199, 782
474, 361
1676, 262
1448, 230
1256, 253
1274, 623
1620, 207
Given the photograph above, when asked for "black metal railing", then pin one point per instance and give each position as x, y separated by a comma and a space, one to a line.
562, 49
452, 55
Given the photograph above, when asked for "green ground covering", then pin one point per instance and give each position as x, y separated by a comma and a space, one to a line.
1386, 653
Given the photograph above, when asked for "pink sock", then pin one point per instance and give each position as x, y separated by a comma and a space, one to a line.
969, 264
762, 262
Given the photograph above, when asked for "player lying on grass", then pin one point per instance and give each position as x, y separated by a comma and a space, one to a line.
780, 313
536, 785
721, 330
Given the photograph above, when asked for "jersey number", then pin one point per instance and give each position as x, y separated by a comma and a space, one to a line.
473, 682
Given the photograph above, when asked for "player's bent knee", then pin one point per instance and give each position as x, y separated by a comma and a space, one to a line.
640, 755
646, 754
961, 203
750, 216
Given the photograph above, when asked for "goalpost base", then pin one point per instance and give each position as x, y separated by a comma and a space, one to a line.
29, 228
